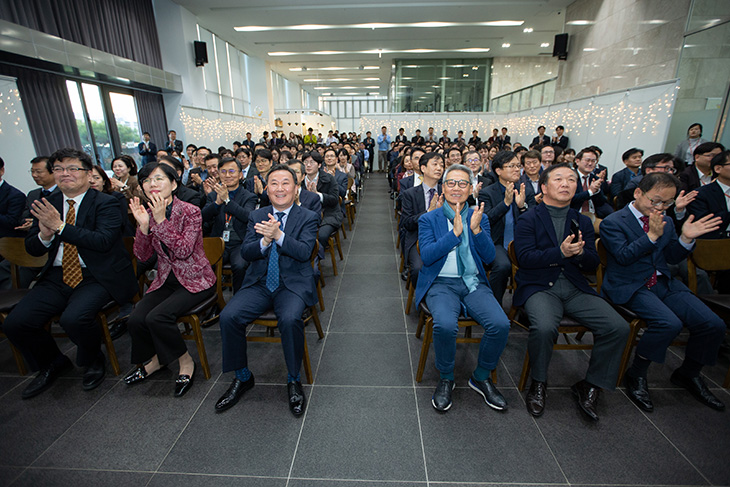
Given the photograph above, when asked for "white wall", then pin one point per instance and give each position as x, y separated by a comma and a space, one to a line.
16, 144
514, 73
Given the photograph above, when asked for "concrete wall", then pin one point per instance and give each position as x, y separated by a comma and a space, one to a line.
514, 73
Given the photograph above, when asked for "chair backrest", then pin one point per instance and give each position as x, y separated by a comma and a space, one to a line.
313, 257
601, 269
129, 247
214, 248
13, 250
710, 255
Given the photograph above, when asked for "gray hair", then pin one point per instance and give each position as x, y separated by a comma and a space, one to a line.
459, 167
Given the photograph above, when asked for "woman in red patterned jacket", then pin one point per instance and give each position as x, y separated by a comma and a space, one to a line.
172, 229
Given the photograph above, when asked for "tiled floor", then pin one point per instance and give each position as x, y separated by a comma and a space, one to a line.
368, 423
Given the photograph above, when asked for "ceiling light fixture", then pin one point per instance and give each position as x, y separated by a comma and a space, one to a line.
580, 22
527, 30
545, 44
379, 52
506, 44
378, 25
334, 68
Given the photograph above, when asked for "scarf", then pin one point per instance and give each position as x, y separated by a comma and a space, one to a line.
464, 260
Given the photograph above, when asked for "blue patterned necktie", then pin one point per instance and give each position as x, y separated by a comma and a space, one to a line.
272, 273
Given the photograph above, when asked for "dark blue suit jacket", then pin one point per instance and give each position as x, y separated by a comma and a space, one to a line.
711, 199
311, 201
147, 155
413, 206
12, 204
526, 179
437, 241
633, 258
239, 207
407, 182
495, 209
295, 270
620, 180
538, 253
600, 203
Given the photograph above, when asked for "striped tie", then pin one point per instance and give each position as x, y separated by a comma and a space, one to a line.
70, 260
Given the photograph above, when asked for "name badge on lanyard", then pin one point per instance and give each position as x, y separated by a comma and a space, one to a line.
226, 232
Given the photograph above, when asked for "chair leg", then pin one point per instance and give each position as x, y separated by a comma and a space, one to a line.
20, 363
397, 242
344, 235
525, 372
317, 324
202, 354
427, 339
630, 342
494, 376
321, 276
402, 262
339, 247
320, 296
579, 335
411, 292
421, 321
307, 363
331, 245
110, 350
726, 384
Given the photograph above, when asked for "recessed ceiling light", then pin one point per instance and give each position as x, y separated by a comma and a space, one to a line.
538, 65
545, 44
379, 52
372, 87
315, 80
377, 25
444, 77
580, 22
465, 75
506, 44
334, 68
406, 77
474, 49
589, 49
527, 30
322, 88
475, 68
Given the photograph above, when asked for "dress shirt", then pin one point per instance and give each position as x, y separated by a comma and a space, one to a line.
279, 241
315, 181
417, 179
58, 262
244, 171
426, 189
703, 179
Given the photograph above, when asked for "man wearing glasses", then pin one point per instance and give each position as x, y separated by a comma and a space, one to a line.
641, 242
80, 231
700, 173
455, 246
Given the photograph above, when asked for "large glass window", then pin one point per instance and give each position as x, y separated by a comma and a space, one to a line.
127, 123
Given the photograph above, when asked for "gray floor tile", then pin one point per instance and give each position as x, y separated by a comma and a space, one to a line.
198, 480
345, 483
360, 433
255, 437
9, 474
7, 384
371, 286
451, 439
622, 448
360, 247
365, 360
355, 314
266, 360
80, 478
367, 264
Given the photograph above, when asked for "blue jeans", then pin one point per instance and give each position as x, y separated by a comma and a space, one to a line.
445, 298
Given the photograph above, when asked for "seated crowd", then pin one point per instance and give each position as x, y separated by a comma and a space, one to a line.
469, 211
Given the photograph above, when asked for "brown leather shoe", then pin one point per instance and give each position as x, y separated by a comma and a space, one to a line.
535, 399
587, 396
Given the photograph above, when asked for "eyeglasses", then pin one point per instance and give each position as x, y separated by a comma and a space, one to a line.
157, 179
511, 166
660, 204
228, 171
451, 183
37, 171
70, 170
668, 169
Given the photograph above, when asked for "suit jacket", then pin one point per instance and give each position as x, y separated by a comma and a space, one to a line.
539, 258
189, 195
341, 180
12, 204
502, 141
251, 172
34, 194
528, 184
711, 199
444, 140
326, 184
178, 146
239, 207
633, 258
248, 143
689, 179
182, 234
475, 141
417, 140
295, 270
148, 155
437, 241
495, 209
97, 234
407, 182
620, 180
401, 138
311, 201
413, 205
600, 203
563, 142
544, 140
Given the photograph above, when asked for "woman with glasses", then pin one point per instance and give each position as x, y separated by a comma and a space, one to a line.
101, 182
171, 229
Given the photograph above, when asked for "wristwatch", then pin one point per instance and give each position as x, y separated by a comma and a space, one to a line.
60, 228
227, 200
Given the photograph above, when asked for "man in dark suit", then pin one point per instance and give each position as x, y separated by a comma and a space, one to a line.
279, 242
416, 201
325, 187
714, 198
80, 231
503, 138
632, 160
592, 189
455, 247
228, 208
541, 138
445, 139
248, 142
504, 202
248, 170
475, 140
173, 144
370, 146
641, 241
42, 174
550, 284
401, 137
305, 198
417, 177
418, 138
700, 173
531, 162
148, 150
12, 203
560, 140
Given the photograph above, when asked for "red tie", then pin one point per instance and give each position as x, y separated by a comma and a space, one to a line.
652, 280
586, 207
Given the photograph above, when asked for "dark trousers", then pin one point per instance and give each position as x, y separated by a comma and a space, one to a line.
444, 299
545, 309
324, 234
248, 304
153, 323
666, 311
500, 272
414, 264
25, 325
233, 256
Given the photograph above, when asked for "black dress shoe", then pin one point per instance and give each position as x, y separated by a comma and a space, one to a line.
46, 377
697, 387
119, 328
441, 399
587, 396
489, 392
94, 374
638, 390
184, 382
535, 399
233, 394
137, 375
297, 401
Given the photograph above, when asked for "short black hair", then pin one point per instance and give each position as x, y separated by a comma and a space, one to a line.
531, 154
695, 125
45, 159
282, 167
658, 180
654, 160
146, 133
129, 162
423, 161
719, 160
195, 147
590, 149
212, 156
560, 127
263, 153
707, 147
175, 163
625, 156
314, 155
545, 176
69, 153
541, 127
150, 167
243, 150
502, 158
226, 160
291, 162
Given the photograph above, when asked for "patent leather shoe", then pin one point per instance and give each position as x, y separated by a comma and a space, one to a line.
638, 390
233, 394
184, 382
697, 387
135, 376
118, 328
587, 396
297, 401
46, 377
441, 399
489, 392
94, 374
535, 399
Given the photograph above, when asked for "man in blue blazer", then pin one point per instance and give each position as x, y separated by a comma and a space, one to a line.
632, 160
551, 284
455, 246
503, 203
147, 149
641, 242
278, 244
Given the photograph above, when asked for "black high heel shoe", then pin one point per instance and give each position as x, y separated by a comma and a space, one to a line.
184, 382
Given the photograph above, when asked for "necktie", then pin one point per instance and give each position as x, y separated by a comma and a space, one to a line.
509, 228
70, 260
653, 279
44, 193
586, 206
272, 273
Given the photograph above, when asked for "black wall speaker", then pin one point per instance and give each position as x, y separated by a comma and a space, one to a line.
201, 53
560, 46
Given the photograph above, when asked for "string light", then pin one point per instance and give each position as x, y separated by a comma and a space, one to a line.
218, 131
9, 102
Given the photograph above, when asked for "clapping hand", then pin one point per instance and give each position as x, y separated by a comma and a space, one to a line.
48, 217
258, 186
684, 199
520, 196
656, 225
476, 220
569, 249
222, 191
476, 191
458, 225
27, 223
509, 194
269, 229
140, 214
158, 206
693, 229
436, 202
